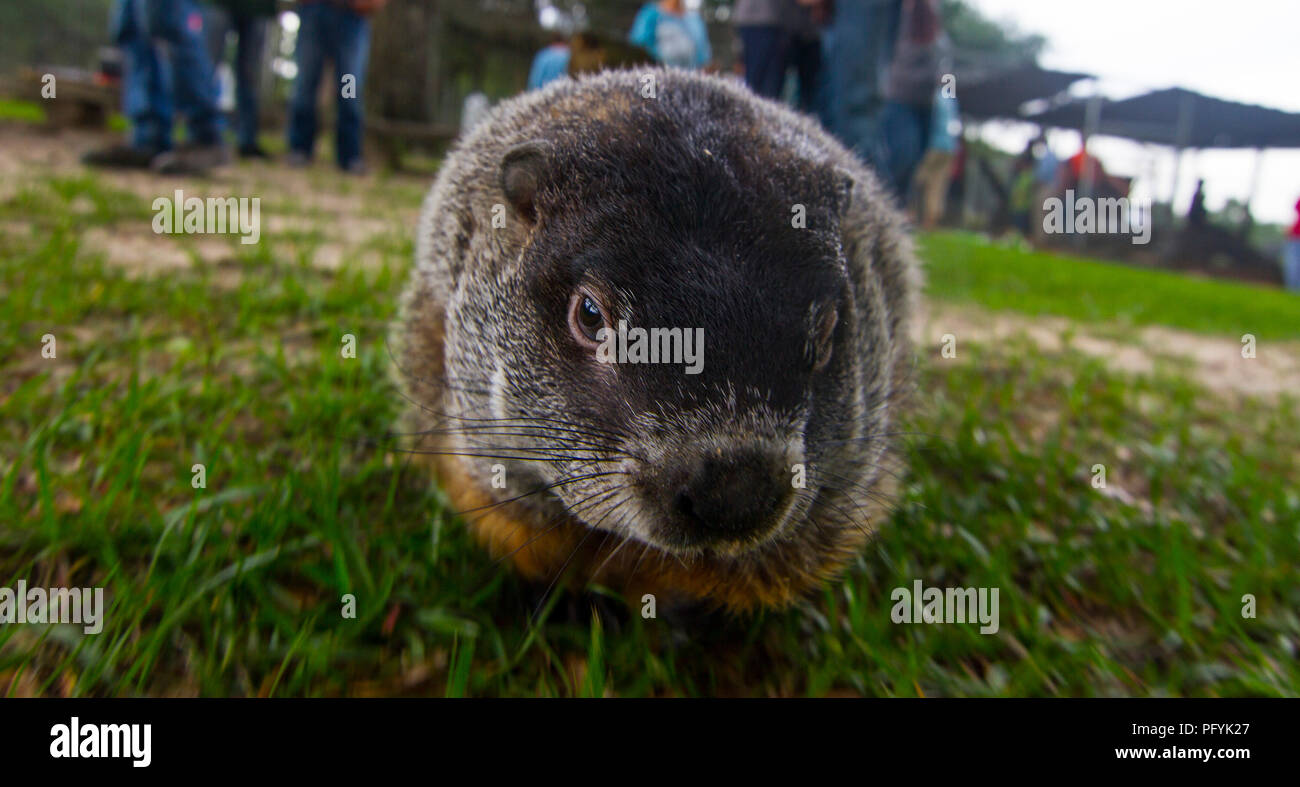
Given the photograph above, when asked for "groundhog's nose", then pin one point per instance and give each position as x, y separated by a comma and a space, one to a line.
733, 495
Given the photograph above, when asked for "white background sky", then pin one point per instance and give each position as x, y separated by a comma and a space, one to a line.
1240, 50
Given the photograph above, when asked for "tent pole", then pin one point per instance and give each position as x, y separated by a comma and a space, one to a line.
969, 133
1087, 173
1255, 174
1091, 122
1182, 135
1178, 178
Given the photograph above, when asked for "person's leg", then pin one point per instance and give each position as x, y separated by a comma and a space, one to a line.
1020, 220
180, 24
248, 78
146, 97
310, 59
922, 184
826, 99
216, 26
750, 55
351, 55
1291, 263
764, 59
806, 55
919, 130
936, 187
899, 133
216, 29
923, 116
778, 64
862, 46
146, 90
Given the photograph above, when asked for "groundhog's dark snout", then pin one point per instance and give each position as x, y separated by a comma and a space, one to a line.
730, 495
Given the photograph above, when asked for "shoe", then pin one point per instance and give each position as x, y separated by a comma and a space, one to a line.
192, 159
253, 151
297, 160
355, 167
121, 157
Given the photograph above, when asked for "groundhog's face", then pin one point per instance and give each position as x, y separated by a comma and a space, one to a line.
683, 366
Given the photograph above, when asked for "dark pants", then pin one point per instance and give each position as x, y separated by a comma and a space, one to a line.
251, 32
764, 50
328, 32
805, 54
905, 130
862, 44
167, 69
1020, 220
1291, 264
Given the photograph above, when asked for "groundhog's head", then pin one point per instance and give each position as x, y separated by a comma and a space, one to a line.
676, 352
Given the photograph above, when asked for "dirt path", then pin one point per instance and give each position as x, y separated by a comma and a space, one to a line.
344, 217
1214, 362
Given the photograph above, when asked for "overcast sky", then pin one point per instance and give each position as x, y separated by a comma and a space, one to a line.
1243, 50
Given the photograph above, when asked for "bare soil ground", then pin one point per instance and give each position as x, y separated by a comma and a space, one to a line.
344, 226
1214, 362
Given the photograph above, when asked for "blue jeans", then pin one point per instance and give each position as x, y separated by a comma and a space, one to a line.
1291, 264
167, 69
251, 31
764, 49
860, 46
905, 130
328, 32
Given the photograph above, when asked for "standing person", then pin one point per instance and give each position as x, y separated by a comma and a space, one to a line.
861, 37
1048, 169
550, 63
1047, 177
1197, 215
248, 20
1021, 201
673, 35
764, 28
935, 170
167, 69
336, 30
913, 76
1291, 255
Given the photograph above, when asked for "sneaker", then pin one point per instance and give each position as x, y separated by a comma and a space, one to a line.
121, 157
253, 151
355, 167
191, 159
297, 160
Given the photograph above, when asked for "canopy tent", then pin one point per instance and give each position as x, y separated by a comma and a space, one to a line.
1001, 93
1173, 117
1181, 118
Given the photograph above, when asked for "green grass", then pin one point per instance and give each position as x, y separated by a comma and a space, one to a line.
21, 111
31, 112
962, 267
236, 588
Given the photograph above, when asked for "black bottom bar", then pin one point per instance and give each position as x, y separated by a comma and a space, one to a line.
587, 738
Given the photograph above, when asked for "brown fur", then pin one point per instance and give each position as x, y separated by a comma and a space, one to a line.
543, 551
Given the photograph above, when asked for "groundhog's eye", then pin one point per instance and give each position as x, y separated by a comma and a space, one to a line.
586, 318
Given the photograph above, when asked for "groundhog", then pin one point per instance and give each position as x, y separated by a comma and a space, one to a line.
738, 460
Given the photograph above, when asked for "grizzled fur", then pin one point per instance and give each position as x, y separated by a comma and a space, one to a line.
674, 211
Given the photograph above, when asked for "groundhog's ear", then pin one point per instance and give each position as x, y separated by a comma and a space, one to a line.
521, 176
